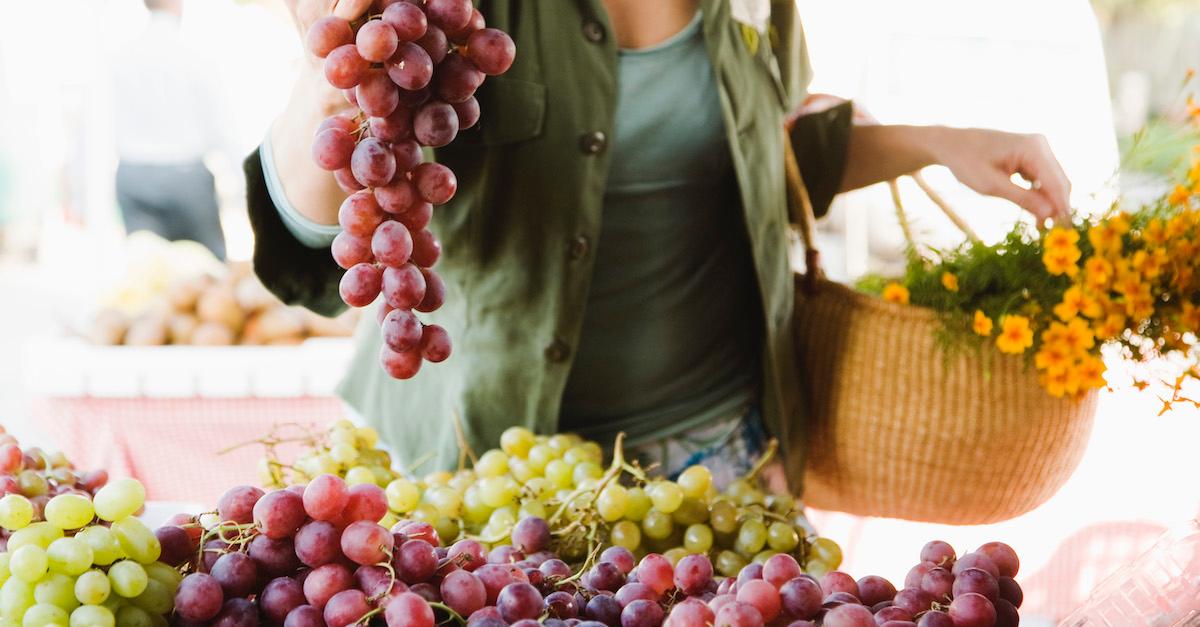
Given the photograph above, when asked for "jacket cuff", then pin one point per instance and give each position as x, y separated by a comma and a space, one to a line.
821, 141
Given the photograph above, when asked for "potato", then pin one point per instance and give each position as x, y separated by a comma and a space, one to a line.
252, 295
281, 322
147, 330
320, 326
108, 327
218, 305
182, 294
212, 334
180, 327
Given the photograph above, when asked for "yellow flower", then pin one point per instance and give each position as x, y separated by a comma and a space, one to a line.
1176, 227
1060, 263
1151, 263
982, 324
1139, 305
1061, 383
1072, 301
895, 293
1078, 337
1060, 239
1129, 282
1112, 326
949, 281
1106, 236
1189, 317
1154, 234
1089, 373
1098, 272
1051, 359
1179, 195
1015, 335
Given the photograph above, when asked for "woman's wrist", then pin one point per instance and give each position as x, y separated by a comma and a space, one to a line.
313, 192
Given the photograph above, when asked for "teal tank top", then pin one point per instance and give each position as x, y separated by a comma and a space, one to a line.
672, 330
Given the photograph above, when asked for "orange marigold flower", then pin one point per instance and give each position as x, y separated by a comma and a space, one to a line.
1062, 383
1015, 335
1052, 358
1154, 234
1060, 263
1078, 337
1151, 263
1189, 317
895, 293
1097, 272
1090, 373
982, 325
1129, 282
1139, 305
949, 281
1105, 239
1179, 195
1060, 238
1112, 326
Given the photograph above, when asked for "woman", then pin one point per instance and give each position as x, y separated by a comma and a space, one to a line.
616, 255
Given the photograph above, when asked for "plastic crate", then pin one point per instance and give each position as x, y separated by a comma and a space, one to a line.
164, 414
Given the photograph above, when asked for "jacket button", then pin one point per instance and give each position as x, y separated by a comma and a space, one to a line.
593, 31
579, 247
557, 351
592, 143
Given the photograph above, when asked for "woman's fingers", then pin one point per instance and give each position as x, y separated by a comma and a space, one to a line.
1047, 178
351, 9
1030, 200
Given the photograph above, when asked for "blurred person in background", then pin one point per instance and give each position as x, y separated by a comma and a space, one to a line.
166, 120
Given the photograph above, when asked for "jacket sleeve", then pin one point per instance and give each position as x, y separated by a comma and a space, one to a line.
819, 139
295, 273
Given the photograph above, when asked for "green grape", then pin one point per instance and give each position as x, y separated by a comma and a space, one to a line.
69, 511
155, 599
104, 545
532, 509
114, 602
31, 483
539, 456
376, 457
343, 436
44, 614
29, 563
538, 487
441, 477
817, 568
56, 589
593, 451
16, 596
119, 499
665, 495
324, 465
136, 539
16, 512
38, 534
626, 534
366, 437
446, 499
698, 538
493, 463
585, 470
561, 442
657, 525
516, 441
463, 480
402, 495
5, 573
70, 556
474, 509
761, 557
612, 502
344, 454
751, 537
576, 455
781, 503
127, 578
360, 475
164, 574
723, 517
447, 528
383, 474
92, 587
639, 504
690, 512
133, 616
389, 520
782, 537
674, 555
498, 491
425, 513
559, 473
729, 564
503, 518
695, 481
827, 551
92, 616
519, 469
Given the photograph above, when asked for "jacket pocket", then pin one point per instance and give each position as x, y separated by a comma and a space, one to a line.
513, 110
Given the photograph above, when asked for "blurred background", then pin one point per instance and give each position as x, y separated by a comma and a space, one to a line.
1097, 78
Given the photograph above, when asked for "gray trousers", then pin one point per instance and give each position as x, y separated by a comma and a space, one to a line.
178, 202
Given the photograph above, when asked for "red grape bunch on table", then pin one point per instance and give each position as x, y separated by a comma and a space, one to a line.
409, 72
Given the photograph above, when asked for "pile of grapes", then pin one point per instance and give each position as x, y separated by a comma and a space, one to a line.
39, 476
410, 69
89, 563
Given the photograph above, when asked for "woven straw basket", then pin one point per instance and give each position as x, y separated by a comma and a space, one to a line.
898, 429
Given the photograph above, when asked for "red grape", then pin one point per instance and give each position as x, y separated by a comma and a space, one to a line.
404, 286
531, 534
324, 582
360, 285
976, 560
780, 569
1003, 556
436, 182
642, 613
349, 250
875, 589
377, 95
346, 181
435, 292
177, 545
318, 543
976, 580
279, 597
892, 613
491, 50
360, 214
366, 501
344, 66
631, 592
917, 573
333, 149
408, 20
417, 217
656, 571
401, 330
914, 600
938, 552
555, 568
376, 41
325, 497
972, 610
690, 612
693, 573
468, 113
236, 573
414, 98
199, 597
395, 127
434, 43
408, 610
1006, 614
849, 616
373, 163
366, 543
398, 197
461, 35
410, 67
838, 581
737, 614
392, 246
304, 616
274, 557
801, 597
457, 79
408, 156
328, 33
935, 619
519, 601
435, 124
603, 609
939, 583
346, 608
415, 561
762, 595
1010, 591
463, 592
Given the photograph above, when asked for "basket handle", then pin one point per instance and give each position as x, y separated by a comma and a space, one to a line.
797, 193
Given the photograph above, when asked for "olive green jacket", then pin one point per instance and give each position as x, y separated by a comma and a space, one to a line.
518, 237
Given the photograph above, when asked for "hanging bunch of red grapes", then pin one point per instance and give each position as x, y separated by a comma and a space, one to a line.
410, 70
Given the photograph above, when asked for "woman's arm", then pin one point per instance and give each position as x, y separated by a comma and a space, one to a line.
981, 159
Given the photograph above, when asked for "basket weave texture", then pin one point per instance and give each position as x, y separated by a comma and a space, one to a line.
898, 429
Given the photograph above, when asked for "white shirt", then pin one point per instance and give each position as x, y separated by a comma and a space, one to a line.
165, 106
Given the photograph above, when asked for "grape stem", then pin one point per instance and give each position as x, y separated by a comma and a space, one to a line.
614, 471
464, 448
453, 616
767, 457
365, 619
